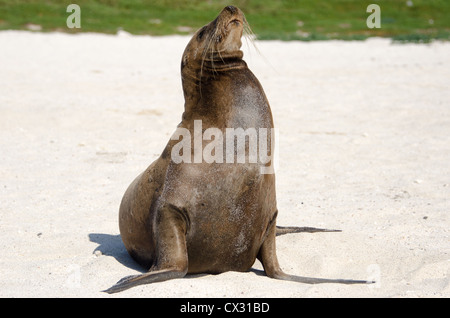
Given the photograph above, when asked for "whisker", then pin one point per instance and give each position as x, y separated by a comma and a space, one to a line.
250, 35
209, 42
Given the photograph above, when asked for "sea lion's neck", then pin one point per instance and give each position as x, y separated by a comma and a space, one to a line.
205, 84
220, 62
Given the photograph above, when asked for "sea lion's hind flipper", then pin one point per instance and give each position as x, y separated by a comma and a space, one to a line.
147, 278
313, 280
268, 257
281, 230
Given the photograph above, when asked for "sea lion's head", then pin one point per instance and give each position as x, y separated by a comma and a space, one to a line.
215, 43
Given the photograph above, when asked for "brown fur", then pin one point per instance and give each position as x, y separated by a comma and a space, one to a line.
207, 217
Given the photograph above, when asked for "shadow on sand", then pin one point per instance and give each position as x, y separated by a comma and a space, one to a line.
112, 245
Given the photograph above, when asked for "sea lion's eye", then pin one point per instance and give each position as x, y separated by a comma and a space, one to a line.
201, 33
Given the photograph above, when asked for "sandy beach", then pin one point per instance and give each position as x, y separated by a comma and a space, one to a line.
364, 147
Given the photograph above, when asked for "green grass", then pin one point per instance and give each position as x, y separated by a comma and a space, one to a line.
270, 19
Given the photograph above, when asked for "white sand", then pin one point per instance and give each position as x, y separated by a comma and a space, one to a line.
364, 147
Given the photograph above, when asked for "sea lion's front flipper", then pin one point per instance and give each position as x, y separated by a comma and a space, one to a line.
171, 261
147, 278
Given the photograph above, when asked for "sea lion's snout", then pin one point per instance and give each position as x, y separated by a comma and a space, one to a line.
233, 15
231, 25
231, 9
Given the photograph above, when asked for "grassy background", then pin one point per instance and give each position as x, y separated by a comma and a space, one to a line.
414, 20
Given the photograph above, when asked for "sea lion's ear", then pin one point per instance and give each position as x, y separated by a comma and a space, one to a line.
184, 60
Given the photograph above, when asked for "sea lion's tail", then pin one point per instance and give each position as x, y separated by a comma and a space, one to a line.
281, 230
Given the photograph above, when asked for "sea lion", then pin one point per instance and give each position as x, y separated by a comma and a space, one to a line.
193, 216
